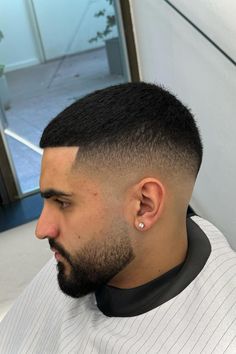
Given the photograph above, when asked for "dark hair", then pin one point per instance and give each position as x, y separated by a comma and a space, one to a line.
134, 123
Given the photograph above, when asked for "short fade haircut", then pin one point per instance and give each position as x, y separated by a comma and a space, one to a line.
132, 124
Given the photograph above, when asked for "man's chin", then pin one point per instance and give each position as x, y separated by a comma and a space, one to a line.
70, 286
71, 289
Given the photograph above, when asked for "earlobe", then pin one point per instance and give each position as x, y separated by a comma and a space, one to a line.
152, 194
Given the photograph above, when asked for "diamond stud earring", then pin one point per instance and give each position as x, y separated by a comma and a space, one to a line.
141, 225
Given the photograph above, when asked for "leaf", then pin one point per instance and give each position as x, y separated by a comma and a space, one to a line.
107, 31
111, 20
100, 13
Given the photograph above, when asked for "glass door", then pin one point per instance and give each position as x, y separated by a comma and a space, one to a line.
63, 51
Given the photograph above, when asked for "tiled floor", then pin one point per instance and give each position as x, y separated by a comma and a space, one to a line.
40, 92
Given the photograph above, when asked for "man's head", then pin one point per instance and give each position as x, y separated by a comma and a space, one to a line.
121, 156
134, 124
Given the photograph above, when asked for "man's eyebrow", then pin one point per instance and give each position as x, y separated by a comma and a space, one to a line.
49, 193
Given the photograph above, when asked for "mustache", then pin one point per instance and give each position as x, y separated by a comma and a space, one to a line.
59, 248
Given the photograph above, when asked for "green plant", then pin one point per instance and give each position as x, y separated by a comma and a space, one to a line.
1, 65
110, 22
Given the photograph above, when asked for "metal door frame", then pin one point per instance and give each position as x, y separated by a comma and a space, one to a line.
9, 185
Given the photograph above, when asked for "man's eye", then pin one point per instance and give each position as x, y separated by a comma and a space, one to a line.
62, 204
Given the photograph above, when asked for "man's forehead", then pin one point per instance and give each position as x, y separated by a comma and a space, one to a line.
59, 157
56, 169
60, 173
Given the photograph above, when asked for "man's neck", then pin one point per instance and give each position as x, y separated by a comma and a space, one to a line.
157, 255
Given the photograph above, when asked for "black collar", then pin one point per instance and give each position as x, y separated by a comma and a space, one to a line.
132, 302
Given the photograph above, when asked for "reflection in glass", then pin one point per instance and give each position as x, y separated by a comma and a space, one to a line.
64, 53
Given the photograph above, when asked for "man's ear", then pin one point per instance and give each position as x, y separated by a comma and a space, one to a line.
151, 203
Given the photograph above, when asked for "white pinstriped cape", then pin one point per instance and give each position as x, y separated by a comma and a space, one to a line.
201, 319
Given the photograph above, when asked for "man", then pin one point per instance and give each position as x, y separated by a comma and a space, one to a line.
135, 274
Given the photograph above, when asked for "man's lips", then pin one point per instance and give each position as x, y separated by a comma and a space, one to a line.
57, 254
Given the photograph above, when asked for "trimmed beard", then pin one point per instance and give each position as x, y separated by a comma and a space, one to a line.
95, 264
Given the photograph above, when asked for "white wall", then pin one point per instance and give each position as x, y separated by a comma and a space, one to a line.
173, 53
216, 18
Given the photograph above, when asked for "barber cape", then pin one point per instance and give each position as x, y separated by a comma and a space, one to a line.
197, 317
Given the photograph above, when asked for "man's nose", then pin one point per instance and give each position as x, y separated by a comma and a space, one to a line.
46, 227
